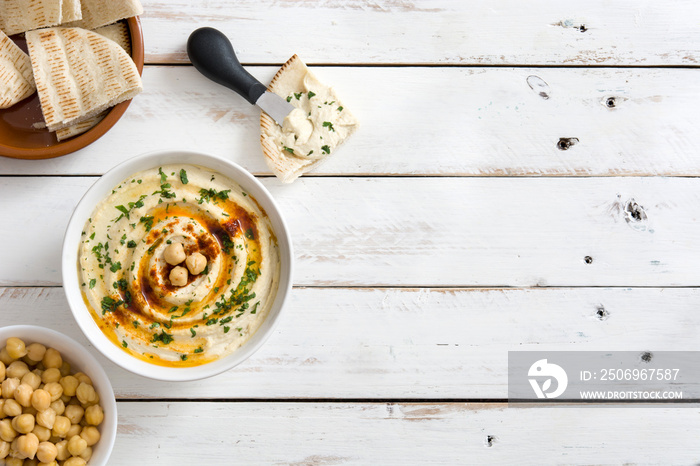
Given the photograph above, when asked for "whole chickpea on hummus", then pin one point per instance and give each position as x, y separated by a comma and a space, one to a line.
179, 266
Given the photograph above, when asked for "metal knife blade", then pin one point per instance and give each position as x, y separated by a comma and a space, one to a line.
275, 106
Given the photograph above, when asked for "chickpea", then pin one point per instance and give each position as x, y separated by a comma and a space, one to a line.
58, 406
75, 461
74, 413
174, 254
76, 445
86, 394
36, 352
12, 408
91, 435
7, 433
52, 358
14, 462
178, 276
69, 384
94, 415
74, 430
15, 348
42, 433
27, 445
2, 371
65, 369
62, 450
4, 357
51, 375
41, 399
47, 418
9, 386
83, 378
24, 423
50, 463
4, 449
61, 426
46, 452
86, 454
31, 379
23, 395
55, 390
196, 263
17, 369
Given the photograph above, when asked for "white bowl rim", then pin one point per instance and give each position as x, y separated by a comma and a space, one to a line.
87, 205
100, 380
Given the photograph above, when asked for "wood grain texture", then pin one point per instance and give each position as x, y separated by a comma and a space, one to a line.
428, 231
313, 434
547, 32
430, 121
409, 343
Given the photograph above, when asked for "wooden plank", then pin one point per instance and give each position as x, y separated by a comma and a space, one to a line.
429, 231
409, 343
547, 32
430, 121
400, 433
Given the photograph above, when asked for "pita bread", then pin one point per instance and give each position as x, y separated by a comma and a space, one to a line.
119, 33
24, 15
97, 13
16, 80
70, 11
294, 77
79, 74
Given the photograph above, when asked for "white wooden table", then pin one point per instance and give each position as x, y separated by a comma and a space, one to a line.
452, 228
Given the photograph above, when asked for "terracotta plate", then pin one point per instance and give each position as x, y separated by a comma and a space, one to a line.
21, 140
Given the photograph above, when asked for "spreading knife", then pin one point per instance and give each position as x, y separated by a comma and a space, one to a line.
212, 54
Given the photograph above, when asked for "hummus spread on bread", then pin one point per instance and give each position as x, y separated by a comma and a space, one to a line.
126, 280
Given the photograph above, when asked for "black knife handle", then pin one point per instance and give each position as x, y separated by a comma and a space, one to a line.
212, 54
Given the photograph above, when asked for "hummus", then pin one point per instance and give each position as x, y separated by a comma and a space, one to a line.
125, 279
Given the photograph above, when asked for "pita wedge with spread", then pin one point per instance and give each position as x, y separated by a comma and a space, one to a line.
79, 74
97, 13
312, 131
16, 79
119, 33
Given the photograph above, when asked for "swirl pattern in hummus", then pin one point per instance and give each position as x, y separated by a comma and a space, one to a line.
125, 278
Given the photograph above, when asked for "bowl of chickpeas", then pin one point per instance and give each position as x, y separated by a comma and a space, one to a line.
57, 405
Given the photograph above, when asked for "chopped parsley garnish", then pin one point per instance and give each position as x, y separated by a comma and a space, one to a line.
310, 152
120, 284
194, 334
136, 323
209, 195
329, 125
109, 304
183, 357
162, 337
298, 96
255, 308
226, 329
183, 176
288, 149
227, 244
212, 321
124, 343
131, 244
172, 309
340, 109
93, 282
163, 176
115, 266
289, 98
249, 233
154, 325
326, 149
127, 210
311, 94
198, 350
147, 222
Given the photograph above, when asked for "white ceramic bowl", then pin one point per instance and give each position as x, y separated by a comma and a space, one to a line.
80, 361
100, 190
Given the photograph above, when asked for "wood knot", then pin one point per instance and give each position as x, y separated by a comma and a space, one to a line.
588, 260
566, 143
634, 212
583, 28
490, 439
646, 356
610, 102
538, 85
602, 313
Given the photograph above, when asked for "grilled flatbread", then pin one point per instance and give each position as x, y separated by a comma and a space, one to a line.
79, 74
24, 15
16, 79
97, 13
312, 131
70, 11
